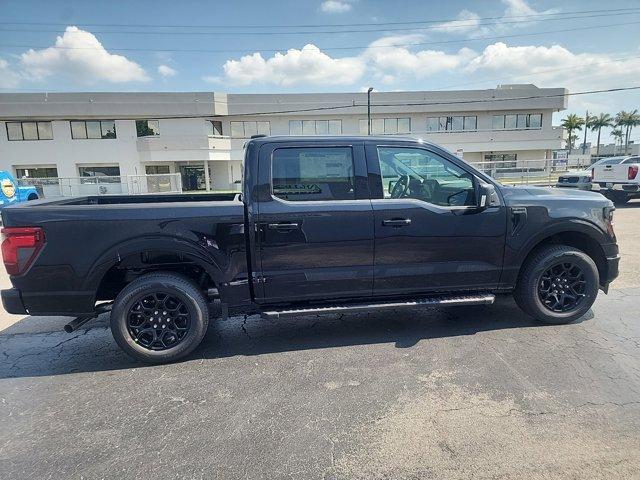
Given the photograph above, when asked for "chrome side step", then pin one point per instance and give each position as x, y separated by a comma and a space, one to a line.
449, 300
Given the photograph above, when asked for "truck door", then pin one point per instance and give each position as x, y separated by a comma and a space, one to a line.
429, 235
315, 222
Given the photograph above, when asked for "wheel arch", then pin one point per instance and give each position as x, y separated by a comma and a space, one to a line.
581, 235
143, 255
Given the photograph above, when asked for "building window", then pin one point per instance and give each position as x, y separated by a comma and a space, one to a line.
214, 128
499, 162
520, 121
432, 124
103, 174
29, 131
321, 173
388, 126
452, 123
156, 169
147, 128
92, 129
37, 172
470, 123
315, 127
247, 129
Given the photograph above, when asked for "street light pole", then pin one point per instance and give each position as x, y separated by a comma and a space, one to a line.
369, 110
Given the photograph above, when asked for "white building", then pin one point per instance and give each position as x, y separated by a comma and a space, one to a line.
201, 135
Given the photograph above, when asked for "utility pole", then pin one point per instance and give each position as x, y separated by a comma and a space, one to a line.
584, 142
369, 110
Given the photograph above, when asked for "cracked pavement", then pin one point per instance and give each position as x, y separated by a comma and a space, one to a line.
466, 392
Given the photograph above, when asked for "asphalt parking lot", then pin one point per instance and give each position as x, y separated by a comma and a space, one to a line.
478, 392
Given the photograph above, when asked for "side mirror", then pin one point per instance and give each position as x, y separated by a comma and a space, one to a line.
486, 196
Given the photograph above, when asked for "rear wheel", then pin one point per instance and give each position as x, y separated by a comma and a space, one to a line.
159, 317
558, 284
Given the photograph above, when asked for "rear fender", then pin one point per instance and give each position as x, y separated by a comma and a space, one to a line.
118, 253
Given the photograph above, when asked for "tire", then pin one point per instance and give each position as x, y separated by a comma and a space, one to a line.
33, 196
183, 317
620, 198
534, 285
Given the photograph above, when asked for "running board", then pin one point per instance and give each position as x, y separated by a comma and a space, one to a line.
441, 301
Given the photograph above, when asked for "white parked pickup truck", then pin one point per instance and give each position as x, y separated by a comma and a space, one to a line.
619, 182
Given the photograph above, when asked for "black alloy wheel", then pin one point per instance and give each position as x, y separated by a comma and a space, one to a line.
557, 284
158, 321
160, 317
562, 287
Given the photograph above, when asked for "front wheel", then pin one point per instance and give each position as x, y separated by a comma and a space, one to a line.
159, 317
558, 284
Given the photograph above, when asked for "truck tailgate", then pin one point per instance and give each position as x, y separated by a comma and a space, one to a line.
610, 173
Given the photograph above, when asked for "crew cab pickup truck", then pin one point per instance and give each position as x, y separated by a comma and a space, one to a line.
323, 225
618, 181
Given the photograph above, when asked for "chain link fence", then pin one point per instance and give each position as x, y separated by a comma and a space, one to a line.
104, 185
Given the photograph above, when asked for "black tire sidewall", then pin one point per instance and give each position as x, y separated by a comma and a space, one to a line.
175, 285
531, 299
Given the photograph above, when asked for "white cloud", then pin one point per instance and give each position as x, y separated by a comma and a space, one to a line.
391, 62
335, 6
167, 71
8, 78
467, 22
515, 12
556, 66
79, 54
308, 66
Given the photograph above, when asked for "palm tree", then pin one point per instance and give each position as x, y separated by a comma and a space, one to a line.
597, 123
617, 135
571, 124
627, 120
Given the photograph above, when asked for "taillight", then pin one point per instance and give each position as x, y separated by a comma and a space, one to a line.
633, 171
20, 247
592, 174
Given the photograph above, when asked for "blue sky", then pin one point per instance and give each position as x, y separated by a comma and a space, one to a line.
322, 45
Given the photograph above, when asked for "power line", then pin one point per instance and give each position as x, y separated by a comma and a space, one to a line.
459, 24
390, 104
402, 45
321, 25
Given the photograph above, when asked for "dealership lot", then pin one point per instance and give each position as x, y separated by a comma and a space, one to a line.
456, 393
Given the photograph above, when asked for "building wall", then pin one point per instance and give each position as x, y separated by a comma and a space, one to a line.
183, 139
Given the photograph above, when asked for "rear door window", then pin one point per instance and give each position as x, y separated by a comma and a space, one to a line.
313, 173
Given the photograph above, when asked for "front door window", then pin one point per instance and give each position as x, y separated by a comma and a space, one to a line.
426, 176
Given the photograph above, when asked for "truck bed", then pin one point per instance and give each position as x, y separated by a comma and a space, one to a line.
136, 199
88, 236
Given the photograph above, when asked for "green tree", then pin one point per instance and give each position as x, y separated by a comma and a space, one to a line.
627, 120
617, 135
571, 124
596, 124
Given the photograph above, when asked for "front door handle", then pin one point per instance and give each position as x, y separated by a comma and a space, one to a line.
396, 222
283, 227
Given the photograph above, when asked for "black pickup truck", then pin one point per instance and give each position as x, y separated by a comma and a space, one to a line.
323, 225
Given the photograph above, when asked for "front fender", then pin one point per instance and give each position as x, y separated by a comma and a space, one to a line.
520, 245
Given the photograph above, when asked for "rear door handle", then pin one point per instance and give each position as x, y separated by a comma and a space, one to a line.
396, 222
283, 227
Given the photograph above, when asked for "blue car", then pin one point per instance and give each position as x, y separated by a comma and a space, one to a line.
11, 193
